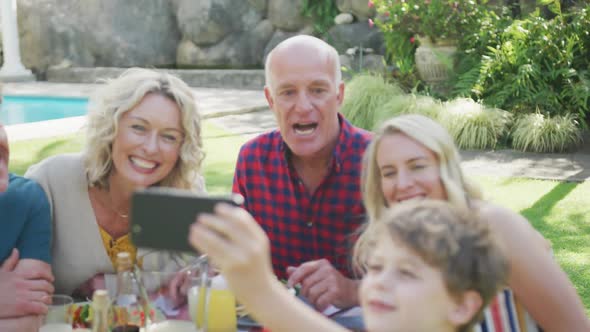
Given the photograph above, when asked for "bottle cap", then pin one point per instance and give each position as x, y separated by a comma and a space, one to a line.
124, 260
100, 298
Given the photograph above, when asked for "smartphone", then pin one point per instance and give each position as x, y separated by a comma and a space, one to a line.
160, 217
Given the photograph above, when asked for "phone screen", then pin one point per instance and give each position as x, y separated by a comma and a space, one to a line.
161, 217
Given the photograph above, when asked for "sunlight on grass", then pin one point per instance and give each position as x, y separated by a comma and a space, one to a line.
561, 212
25, 153
220, 159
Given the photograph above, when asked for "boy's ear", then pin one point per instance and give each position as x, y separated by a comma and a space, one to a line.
465, 308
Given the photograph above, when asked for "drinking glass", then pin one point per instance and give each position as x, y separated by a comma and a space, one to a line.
58, 317
212, 306
162, 275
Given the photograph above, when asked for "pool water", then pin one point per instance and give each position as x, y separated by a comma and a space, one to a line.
25, 109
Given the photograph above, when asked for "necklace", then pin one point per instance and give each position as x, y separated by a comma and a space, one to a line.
122, 215
108, 203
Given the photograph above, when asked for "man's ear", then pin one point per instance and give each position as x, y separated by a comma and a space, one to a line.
269, 97
465, 308
340, 93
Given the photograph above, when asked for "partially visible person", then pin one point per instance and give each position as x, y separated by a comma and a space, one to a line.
301, 182
25, 273
413, 157
4, 154
143, 130
431, 267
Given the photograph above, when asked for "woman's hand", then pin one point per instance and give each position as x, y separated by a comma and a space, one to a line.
237, 245
178, 289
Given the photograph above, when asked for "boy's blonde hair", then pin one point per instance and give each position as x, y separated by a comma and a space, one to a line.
453, 240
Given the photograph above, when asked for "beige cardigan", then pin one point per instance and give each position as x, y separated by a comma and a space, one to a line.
77, 248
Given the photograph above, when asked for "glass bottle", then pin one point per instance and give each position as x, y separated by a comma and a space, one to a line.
101, 308
127, 307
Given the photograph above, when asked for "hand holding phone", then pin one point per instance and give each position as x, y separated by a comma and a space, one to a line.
161, 217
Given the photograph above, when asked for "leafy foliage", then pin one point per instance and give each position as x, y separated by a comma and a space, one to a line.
437, 20
322, 12
400, 47
474, 43
533, 65
403, 21
364, 94
538, 133
474, 126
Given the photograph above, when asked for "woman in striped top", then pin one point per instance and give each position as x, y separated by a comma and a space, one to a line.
413, 157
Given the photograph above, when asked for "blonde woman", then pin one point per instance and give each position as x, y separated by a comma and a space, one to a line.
143, 130
413, 157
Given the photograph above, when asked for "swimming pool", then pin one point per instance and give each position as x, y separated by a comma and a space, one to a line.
25, 109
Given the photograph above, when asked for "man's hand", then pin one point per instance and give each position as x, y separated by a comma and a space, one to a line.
323, 285
24, 287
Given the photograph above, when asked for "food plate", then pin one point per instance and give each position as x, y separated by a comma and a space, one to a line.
82, 315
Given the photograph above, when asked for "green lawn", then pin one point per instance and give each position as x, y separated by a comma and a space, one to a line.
559, 210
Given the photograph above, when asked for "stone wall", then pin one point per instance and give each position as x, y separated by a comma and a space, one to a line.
173, 33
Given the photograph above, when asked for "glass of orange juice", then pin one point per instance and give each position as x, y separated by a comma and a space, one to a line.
212, 306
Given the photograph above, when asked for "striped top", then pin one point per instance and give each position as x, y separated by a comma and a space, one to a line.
506, 314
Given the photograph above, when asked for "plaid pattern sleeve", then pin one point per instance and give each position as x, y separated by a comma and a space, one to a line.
300, 226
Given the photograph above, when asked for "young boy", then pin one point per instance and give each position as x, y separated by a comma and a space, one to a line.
430, 267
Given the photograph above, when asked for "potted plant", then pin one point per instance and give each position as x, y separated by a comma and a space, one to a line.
435, 24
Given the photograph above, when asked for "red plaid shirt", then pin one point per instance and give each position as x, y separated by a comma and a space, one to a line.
304, 227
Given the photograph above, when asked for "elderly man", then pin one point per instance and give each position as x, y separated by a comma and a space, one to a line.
302, 181
25, 273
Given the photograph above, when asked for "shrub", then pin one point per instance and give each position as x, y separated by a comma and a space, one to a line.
321, 12
364, 94
535, 64
403, 21
437, 20
474, 126
538, 133
407, 104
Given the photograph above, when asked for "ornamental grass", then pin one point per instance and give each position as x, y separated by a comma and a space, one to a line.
474, 126
408, 104
365, 93
539, 133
